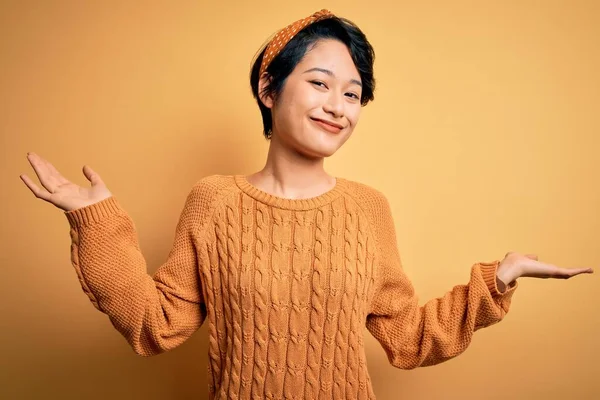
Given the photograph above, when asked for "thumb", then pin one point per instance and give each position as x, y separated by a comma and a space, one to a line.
91, 175
532, 256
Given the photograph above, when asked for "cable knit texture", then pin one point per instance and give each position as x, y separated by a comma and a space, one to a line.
285, 285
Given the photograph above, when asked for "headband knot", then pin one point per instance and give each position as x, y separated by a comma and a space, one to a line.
286, 34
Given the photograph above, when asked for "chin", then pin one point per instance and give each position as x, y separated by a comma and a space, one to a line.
319, 145
318, 151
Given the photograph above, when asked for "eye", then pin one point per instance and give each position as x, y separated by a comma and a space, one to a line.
318, 83
354, 95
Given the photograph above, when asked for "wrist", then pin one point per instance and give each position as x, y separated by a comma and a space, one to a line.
504, 278
500, 284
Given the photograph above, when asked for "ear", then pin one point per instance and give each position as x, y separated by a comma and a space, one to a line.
264, 80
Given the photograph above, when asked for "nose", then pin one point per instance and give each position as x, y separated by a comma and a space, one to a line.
334, 104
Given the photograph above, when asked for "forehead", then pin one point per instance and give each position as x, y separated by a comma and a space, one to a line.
329, 54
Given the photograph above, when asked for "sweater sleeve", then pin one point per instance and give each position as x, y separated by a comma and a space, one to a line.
154, 313
419, 336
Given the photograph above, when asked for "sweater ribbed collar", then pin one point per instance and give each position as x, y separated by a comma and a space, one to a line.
287, 203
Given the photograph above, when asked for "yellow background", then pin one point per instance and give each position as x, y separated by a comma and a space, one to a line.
483, 135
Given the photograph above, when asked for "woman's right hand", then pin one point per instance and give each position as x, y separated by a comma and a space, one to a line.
61, 192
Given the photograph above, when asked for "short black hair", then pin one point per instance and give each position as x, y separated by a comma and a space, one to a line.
281, 67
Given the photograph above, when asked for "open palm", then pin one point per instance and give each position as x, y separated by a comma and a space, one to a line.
61, 192
516, 265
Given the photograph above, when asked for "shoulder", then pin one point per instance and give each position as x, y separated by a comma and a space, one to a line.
376, 208
370, 199
206, 194
213, 187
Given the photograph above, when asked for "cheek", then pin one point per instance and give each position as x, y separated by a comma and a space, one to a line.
301, 107
354, 115
308, 98
285, 113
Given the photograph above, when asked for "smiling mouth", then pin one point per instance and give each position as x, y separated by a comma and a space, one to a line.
327, 126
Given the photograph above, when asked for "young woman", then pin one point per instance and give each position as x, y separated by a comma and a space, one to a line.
286, 265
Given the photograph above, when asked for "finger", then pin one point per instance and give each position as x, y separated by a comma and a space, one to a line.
91, 175
54, 178
57, 176
566, 273
532, 256
581, 271
41, 170
39, 193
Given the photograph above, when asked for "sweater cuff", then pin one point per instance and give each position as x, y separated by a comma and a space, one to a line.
94, 212
489, 271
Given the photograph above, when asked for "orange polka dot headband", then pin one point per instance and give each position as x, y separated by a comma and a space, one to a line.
286, 34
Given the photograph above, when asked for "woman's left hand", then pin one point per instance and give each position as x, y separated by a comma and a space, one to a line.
515, 265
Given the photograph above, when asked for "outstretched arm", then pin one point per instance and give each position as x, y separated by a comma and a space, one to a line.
418, 336
154, 313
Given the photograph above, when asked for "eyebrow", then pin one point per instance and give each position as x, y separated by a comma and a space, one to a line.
330, 73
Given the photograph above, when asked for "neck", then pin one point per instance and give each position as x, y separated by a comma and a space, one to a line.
289, 174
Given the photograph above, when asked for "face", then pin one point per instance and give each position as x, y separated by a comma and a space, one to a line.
320, 102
